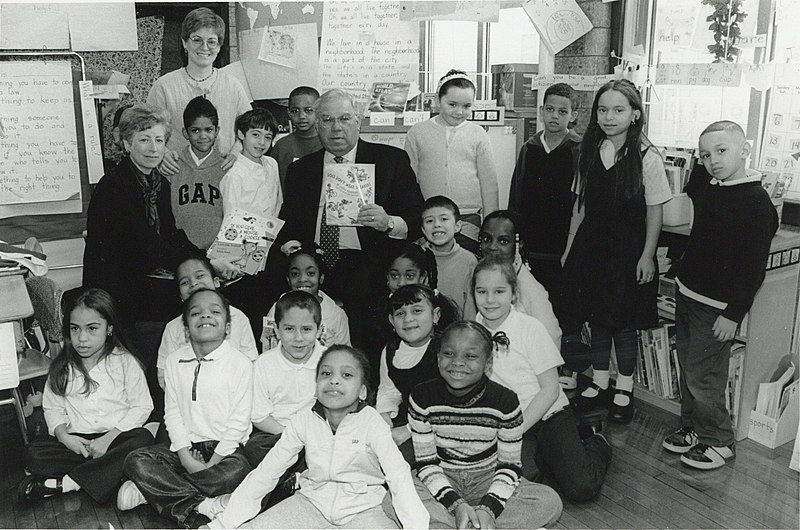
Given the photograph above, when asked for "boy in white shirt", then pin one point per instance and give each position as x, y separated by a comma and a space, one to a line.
209, 396
252, 184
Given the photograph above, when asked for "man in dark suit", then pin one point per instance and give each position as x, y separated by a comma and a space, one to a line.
359, 261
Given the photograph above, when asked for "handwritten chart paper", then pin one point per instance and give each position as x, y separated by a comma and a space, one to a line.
39, 161
33, 26
578, 82
712, 74
559, 22
364, 43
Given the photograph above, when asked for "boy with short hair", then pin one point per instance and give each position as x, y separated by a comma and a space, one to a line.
196, 198
303, 140
440, 224
541, 186
718, 277
284, 381
252, 183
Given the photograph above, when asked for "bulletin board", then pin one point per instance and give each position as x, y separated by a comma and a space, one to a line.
44, 177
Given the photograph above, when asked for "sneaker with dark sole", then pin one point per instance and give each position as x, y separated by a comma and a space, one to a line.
706, 457
681, 441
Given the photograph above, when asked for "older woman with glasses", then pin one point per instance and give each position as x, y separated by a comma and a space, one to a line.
203, 34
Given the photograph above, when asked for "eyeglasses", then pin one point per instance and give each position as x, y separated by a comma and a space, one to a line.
344, 120
197, 42
294, 111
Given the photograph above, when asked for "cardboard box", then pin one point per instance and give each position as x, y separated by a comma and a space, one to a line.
512, 86
774, 433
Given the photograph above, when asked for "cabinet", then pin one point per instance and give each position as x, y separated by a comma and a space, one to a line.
771, 322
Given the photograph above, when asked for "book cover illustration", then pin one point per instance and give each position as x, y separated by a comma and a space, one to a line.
389, 97
245, 239
347, 187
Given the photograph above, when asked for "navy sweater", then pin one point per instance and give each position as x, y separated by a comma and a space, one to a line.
729, 245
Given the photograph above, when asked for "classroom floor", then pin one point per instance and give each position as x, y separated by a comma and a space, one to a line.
645, 488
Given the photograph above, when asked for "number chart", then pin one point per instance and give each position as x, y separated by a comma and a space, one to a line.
780, 150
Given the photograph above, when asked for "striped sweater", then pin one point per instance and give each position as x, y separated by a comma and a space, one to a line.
480, 431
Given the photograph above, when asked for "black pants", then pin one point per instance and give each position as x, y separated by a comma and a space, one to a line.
99, 477
577, 468
625, 346
171, 490
145, 338
704, 372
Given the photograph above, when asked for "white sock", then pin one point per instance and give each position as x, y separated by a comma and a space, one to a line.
67, 484
204, 506
600, 378
624, 382
51, 483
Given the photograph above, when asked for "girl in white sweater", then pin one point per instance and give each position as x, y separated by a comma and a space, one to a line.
453, 157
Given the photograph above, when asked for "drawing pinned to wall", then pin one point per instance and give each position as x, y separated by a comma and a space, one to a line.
278, 46
559, 22
676, 22
364, 43
267, 80
39, 140
470, 10
33, 26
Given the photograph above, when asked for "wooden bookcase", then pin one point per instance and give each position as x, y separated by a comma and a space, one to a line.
772, 320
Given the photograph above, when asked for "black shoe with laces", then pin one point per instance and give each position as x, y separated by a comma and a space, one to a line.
681, 441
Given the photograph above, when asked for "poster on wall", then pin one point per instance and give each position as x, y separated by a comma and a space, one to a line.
365, 43
559, 22
780, 151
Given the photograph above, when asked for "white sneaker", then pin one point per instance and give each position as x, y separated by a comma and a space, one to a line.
129, 496
213, 507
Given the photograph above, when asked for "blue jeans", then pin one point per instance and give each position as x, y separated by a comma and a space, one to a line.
704, 372
531, 505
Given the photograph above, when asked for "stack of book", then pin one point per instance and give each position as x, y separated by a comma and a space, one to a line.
658, 369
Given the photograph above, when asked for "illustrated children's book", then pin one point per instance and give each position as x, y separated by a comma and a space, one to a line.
389, 97
245, 239
347, 187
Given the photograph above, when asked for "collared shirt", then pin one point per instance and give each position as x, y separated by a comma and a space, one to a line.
348, 235
120, 400
654, 176
240, 337
223, 392
252, 186
347, 471
531, 352
282, 388
389, 397
199, 161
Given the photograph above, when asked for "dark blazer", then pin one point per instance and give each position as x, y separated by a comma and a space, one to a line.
122, 249
396, 189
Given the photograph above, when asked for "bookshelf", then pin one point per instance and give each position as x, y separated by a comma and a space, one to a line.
771, 323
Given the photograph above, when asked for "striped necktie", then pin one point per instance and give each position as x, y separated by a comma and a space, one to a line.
199, 361
329, 234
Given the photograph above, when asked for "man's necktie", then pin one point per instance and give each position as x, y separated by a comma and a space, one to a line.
329, 234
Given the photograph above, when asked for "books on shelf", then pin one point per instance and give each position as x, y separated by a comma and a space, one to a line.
658, 369
733, 390
245, 239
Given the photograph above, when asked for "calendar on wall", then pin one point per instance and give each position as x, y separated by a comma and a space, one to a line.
780, 149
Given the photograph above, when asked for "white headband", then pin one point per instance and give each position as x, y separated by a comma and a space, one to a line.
450, 77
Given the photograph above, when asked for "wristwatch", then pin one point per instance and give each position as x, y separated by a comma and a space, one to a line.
390, 226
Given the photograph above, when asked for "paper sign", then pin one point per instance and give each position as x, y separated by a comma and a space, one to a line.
559, 22
477, 11
410, 118
103, 27
697, 74
381, 119
278, 46
9, 369
365, 43
33, 26
752, 41
759, 76
91, 133
578, 82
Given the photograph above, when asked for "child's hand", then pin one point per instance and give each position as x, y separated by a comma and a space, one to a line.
645, 270
466, 516
197, 455
228, 161
325, 335
169, 164
190, 461
486, 518
76, 444
724, 329
225, 269
400, 434
99, 446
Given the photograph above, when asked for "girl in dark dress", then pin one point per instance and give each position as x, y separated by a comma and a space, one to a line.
611, 269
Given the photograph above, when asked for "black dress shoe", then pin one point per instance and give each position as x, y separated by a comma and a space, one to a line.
582, 404
32, 489
590, 424
195, 519
619, 414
